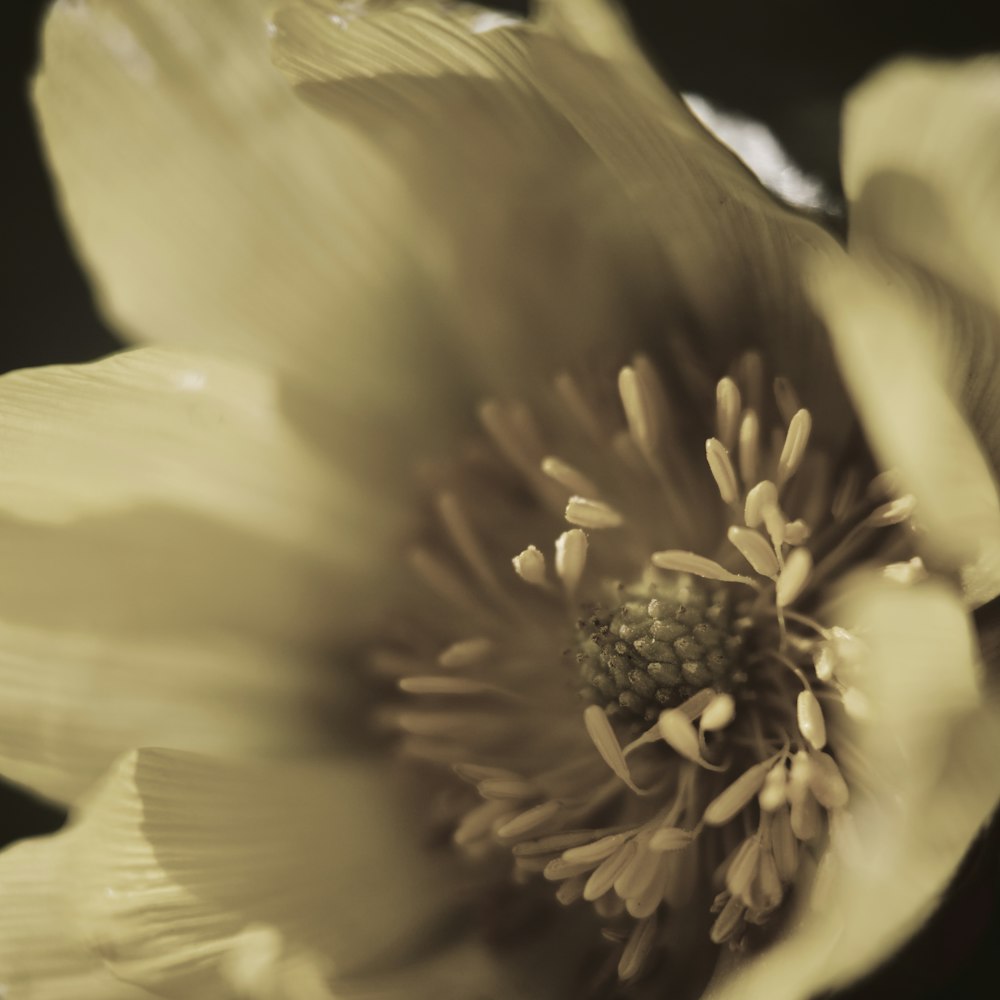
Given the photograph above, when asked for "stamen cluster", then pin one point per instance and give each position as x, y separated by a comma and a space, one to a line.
710, 753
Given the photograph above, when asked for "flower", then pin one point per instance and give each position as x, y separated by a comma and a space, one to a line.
212, 535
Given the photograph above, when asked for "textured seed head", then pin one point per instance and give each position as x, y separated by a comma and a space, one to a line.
663, 644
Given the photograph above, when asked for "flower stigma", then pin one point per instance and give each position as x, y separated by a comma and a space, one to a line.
649, 717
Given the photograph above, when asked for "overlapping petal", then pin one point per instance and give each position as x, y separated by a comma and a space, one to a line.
195, 877
921, 166
41, 955
178, 564
889, 353
567, 127
214, 211
927, 788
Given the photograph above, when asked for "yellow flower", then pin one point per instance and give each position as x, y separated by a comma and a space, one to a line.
421, 708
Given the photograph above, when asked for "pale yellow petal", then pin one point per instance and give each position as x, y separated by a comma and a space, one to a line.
921, 168
158, 426
70, 702
186, 868
539, 255
921, 164
891, 358
213, 210
178, 563
596, 176
161, 450
41, 955
931, 745
734, 251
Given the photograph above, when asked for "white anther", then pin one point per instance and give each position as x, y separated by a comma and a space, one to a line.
720, 712
722, 470
671, 838
825, 662
729, 802
680, 561
796, 532
755, 549
595, 514
530, 566
678, 732
465, 653
606, 743
727, 411
794, 577
567, 476
571, 558
796, 440
749, 446
640, 410
810, 718
910, 572
772, 794
826, 782
762, 497
893, 512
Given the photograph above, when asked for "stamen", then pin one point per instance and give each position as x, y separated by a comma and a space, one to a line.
571, 558
755, 550
894, 512
604, 739
464, 538
810, 719
794, 449
711, 706
565, 475
794, 577
594, 514
687, 562
579, 408
749, 446
761, 497
720, 712
722, 470
530, 820
728, 404
727, 804
530, 566
637, 950
640, 410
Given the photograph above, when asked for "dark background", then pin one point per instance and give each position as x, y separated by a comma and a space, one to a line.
786, 62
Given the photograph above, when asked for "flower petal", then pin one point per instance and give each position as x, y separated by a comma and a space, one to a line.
41, 956
921, 154
217, 212
188, 431
177, 565
932, 746
889, 354
539, 256
737, 252
921, 164
577, 142
186, 868
70, 702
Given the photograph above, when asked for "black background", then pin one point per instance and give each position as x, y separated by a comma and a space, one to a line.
787, 62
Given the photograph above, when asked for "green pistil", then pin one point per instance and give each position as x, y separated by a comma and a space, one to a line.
661, 646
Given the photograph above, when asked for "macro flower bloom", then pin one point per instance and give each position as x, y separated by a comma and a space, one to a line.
530, 561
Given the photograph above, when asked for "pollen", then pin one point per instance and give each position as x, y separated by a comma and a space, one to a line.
618, 661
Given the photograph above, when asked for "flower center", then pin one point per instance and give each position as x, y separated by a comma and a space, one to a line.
663, 644
654, 724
